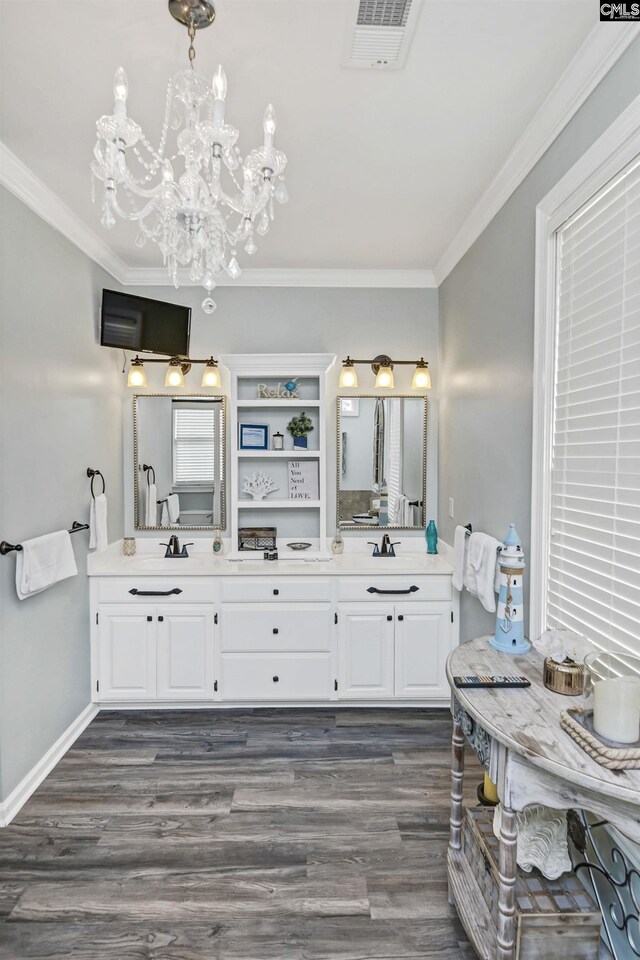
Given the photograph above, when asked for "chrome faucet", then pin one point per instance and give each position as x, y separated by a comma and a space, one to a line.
386, 548
173, 548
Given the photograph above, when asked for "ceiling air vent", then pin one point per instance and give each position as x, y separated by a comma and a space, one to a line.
381, 36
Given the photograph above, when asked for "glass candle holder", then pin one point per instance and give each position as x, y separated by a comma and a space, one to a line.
129, 547
614, 679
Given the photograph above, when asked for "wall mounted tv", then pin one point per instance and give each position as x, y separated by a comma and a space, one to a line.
143, 325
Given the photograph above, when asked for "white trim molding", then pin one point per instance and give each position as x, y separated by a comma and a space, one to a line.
23, 183
617, 147
19, 796
295, 277
600, 51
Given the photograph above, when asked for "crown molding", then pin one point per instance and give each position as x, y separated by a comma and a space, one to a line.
23, 183
282, 277
599, 52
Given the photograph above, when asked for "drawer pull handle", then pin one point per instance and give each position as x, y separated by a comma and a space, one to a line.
154, 593
276, 593
412, 589
275, 679
275, 630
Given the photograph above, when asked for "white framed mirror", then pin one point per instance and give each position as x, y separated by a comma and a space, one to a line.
381, 442
179, 461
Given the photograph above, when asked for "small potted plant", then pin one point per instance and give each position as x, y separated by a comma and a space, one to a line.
564, 652
299, 427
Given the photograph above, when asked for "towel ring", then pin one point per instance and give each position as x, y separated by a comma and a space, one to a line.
148, 469
93, 474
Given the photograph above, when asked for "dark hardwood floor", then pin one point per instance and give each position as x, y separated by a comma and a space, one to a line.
238, 835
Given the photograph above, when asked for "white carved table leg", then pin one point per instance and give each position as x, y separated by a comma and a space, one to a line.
507, 874
457, 777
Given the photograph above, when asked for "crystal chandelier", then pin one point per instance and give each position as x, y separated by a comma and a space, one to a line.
196, 222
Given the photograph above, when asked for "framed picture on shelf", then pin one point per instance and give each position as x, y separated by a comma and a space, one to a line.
253, 436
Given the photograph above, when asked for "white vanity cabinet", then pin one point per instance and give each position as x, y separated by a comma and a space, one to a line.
274, 636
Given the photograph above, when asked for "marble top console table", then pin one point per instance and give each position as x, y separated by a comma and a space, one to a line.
517, 736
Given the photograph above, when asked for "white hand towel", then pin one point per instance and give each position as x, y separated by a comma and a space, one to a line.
98, 537
42, 562
480, 576
460, 538
173, 505
151, 515
164, 514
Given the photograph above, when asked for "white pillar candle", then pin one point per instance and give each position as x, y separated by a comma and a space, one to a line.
616, 709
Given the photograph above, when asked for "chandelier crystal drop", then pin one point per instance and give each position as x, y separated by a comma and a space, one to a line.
197, 199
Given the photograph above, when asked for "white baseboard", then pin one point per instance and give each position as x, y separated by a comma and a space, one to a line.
18, 797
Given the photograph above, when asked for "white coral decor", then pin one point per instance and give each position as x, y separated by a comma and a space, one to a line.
258, 485
561, 645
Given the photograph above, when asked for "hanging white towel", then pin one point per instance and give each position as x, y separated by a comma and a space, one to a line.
173, 506
403, 511
98, 537
164, 515
151, 515
480, 570
460, 540
44, 561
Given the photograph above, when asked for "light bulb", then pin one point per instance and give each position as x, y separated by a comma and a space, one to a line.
348, 376
175, 376
269, 125
421, 377
219, 84
137, 374
384, 378
211, 374
120, 85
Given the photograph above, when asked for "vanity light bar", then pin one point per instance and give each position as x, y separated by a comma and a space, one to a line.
177, 368
382, 366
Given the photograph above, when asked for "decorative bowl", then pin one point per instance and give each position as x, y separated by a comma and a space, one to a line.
299, 545
566, 678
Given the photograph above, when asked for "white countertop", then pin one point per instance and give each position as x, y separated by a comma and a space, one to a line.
111, 563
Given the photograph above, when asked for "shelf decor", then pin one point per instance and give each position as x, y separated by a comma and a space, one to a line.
259, 485
299, 427
253, 436
281, 391
303, 480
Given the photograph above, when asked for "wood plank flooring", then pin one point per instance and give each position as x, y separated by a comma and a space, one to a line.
238, 835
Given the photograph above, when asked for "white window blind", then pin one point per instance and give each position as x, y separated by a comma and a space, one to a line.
594, 546
193, 445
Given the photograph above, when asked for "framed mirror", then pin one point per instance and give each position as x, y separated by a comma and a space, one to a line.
179, 461
382, 441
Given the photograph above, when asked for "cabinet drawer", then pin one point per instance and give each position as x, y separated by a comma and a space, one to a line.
276, 676
156, 590
275, 626
394, 589
248, 589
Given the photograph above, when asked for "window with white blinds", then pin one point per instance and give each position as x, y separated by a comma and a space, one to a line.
193, 446
593, 583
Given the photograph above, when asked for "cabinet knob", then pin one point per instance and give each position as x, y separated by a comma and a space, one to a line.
275, 679
276, 593
161, 619
400, 616
275, 629
389, 617
149, 619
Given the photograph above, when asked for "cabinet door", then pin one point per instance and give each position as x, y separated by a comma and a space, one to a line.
423, 642
185, 652
126, 652
365, 654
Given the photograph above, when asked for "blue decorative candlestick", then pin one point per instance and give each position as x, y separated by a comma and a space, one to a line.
431, 536
509, 635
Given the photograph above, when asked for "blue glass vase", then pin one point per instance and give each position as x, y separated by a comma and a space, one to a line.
431, 536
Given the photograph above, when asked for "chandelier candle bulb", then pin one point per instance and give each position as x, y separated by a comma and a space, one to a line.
269, 126
120, 86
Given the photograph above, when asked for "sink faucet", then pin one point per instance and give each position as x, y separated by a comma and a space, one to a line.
386, 548
173, 548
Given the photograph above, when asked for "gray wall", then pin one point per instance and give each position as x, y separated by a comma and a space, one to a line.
59, 413
364, 323
486, 328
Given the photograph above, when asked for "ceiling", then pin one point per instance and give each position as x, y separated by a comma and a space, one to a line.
384, 166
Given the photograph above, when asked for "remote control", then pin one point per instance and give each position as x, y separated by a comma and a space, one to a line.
491, 682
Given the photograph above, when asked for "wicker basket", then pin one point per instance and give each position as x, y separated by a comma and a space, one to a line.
555, 919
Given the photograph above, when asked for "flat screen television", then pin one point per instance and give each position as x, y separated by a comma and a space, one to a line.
144, 325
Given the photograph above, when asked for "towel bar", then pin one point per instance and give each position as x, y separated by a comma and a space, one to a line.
6, 548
